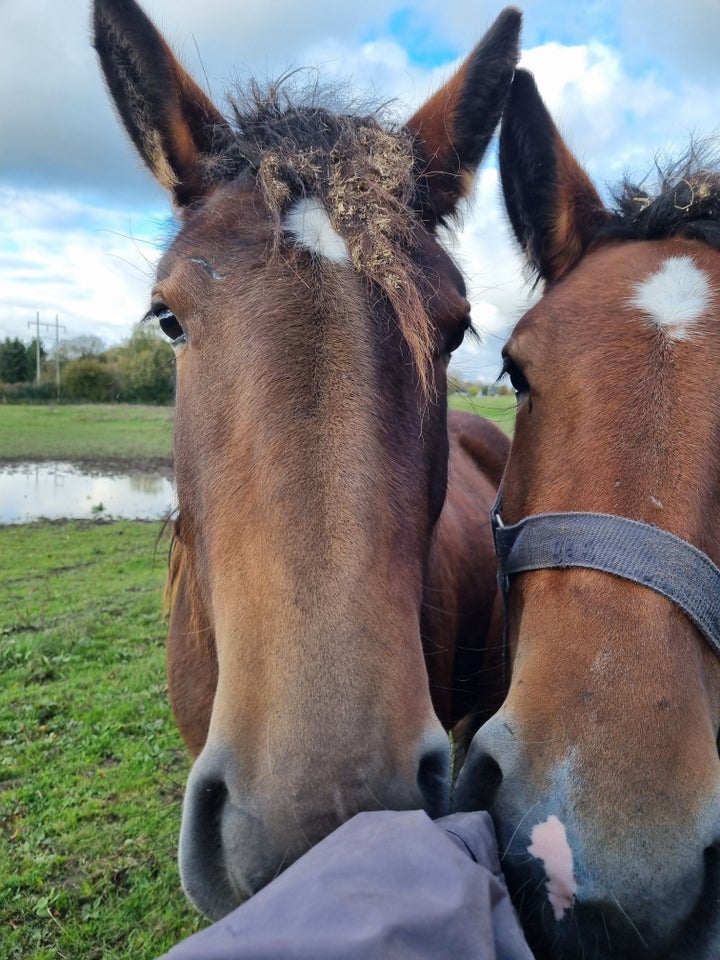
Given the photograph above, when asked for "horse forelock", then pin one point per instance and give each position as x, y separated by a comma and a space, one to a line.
364, 175
685, 201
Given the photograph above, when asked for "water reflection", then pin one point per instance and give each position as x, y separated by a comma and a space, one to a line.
57, 490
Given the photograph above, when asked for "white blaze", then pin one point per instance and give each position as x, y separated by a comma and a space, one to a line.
548, 842
675, 297
307, 221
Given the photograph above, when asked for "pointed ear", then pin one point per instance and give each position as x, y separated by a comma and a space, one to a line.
554, 209
453, 128
171, 121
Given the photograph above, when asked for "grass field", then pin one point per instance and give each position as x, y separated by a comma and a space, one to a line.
501, 410
122, 432
85, 432
91, 767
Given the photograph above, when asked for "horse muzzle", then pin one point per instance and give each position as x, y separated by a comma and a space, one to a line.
592, 874
238, 833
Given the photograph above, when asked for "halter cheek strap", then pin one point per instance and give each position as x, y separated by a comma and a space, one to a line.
636, 551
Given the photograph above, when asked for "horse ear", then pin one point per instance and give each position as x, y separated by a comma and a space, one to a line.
553, 207
454, 127
169, 118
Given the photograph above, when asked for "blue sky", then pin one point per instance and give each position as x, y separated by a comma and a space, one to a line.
81, 219
415, 33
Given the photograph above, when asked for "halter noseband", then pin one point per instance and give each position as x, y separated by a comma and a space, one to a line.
630, 549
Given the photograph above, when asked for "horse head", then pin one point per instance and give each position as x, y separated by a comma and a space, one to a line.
313, 312
601, 769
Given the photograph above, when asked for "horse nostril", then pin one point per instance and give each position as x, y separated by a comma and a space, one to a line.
202, 818
478, 782
433, 779
712, 874
701, 934
210, 797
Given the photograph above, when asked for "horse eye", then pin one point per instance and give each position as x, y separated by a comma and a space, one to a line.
455, 340
517, 378
457, 336
169, 324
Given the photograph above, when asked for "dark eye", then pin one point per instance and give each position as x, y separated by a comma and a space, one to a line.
457, 336
169, 324
517, 378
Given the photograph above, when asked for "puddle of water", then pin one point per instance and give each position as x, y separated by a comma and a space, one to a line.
29, 491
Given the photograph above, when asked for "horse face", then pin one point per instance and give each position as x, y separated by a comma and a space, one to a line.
601, 769
313, 313
296, 513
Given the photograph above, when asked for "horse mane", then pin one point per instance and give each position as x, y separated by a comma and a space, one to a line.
686, 202
365, 175
180, 576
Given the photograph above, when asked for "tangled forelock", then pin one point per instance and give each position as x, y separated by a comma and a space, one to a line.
685, 201
365, 176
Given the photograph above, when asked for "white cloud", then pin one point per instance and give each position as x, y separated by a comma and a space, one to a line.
614, 120
493, 270
619, 93
92, 266
683, 36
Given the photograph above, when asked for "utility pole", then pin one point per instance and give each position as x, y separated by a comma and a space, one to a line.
37, 344
57, 356
49, 326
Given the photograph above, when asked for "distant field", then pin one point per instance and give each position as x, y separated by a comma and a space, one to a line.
501, 410
124, 432
92, 767
86, 432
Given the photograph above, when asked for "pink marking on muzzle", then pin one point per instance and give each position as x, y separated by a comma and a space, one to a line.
548, 842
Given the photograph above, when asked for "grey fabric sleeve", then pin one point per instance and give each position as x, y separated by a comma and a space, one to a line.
386, 885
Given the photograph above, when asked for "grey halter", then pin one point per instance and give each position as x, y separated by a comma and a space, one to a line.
630, 549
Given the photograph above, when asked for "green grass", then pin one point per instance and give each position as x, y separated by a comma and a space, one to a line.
91, 766
92, 431
127, 432
501, 410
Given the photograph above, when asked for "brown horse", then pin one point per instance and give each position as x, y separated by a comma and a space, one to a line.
601, 769
313, 312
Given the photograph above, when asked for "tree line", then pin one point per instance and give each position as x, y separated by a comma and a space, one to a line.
141, 369
474, 388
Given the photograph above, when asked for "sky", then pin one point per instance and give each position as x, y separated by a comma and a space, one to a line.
81, 221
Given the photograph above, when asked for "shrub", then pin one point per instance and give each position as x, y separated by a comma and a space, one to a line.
45, 392
87, 379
